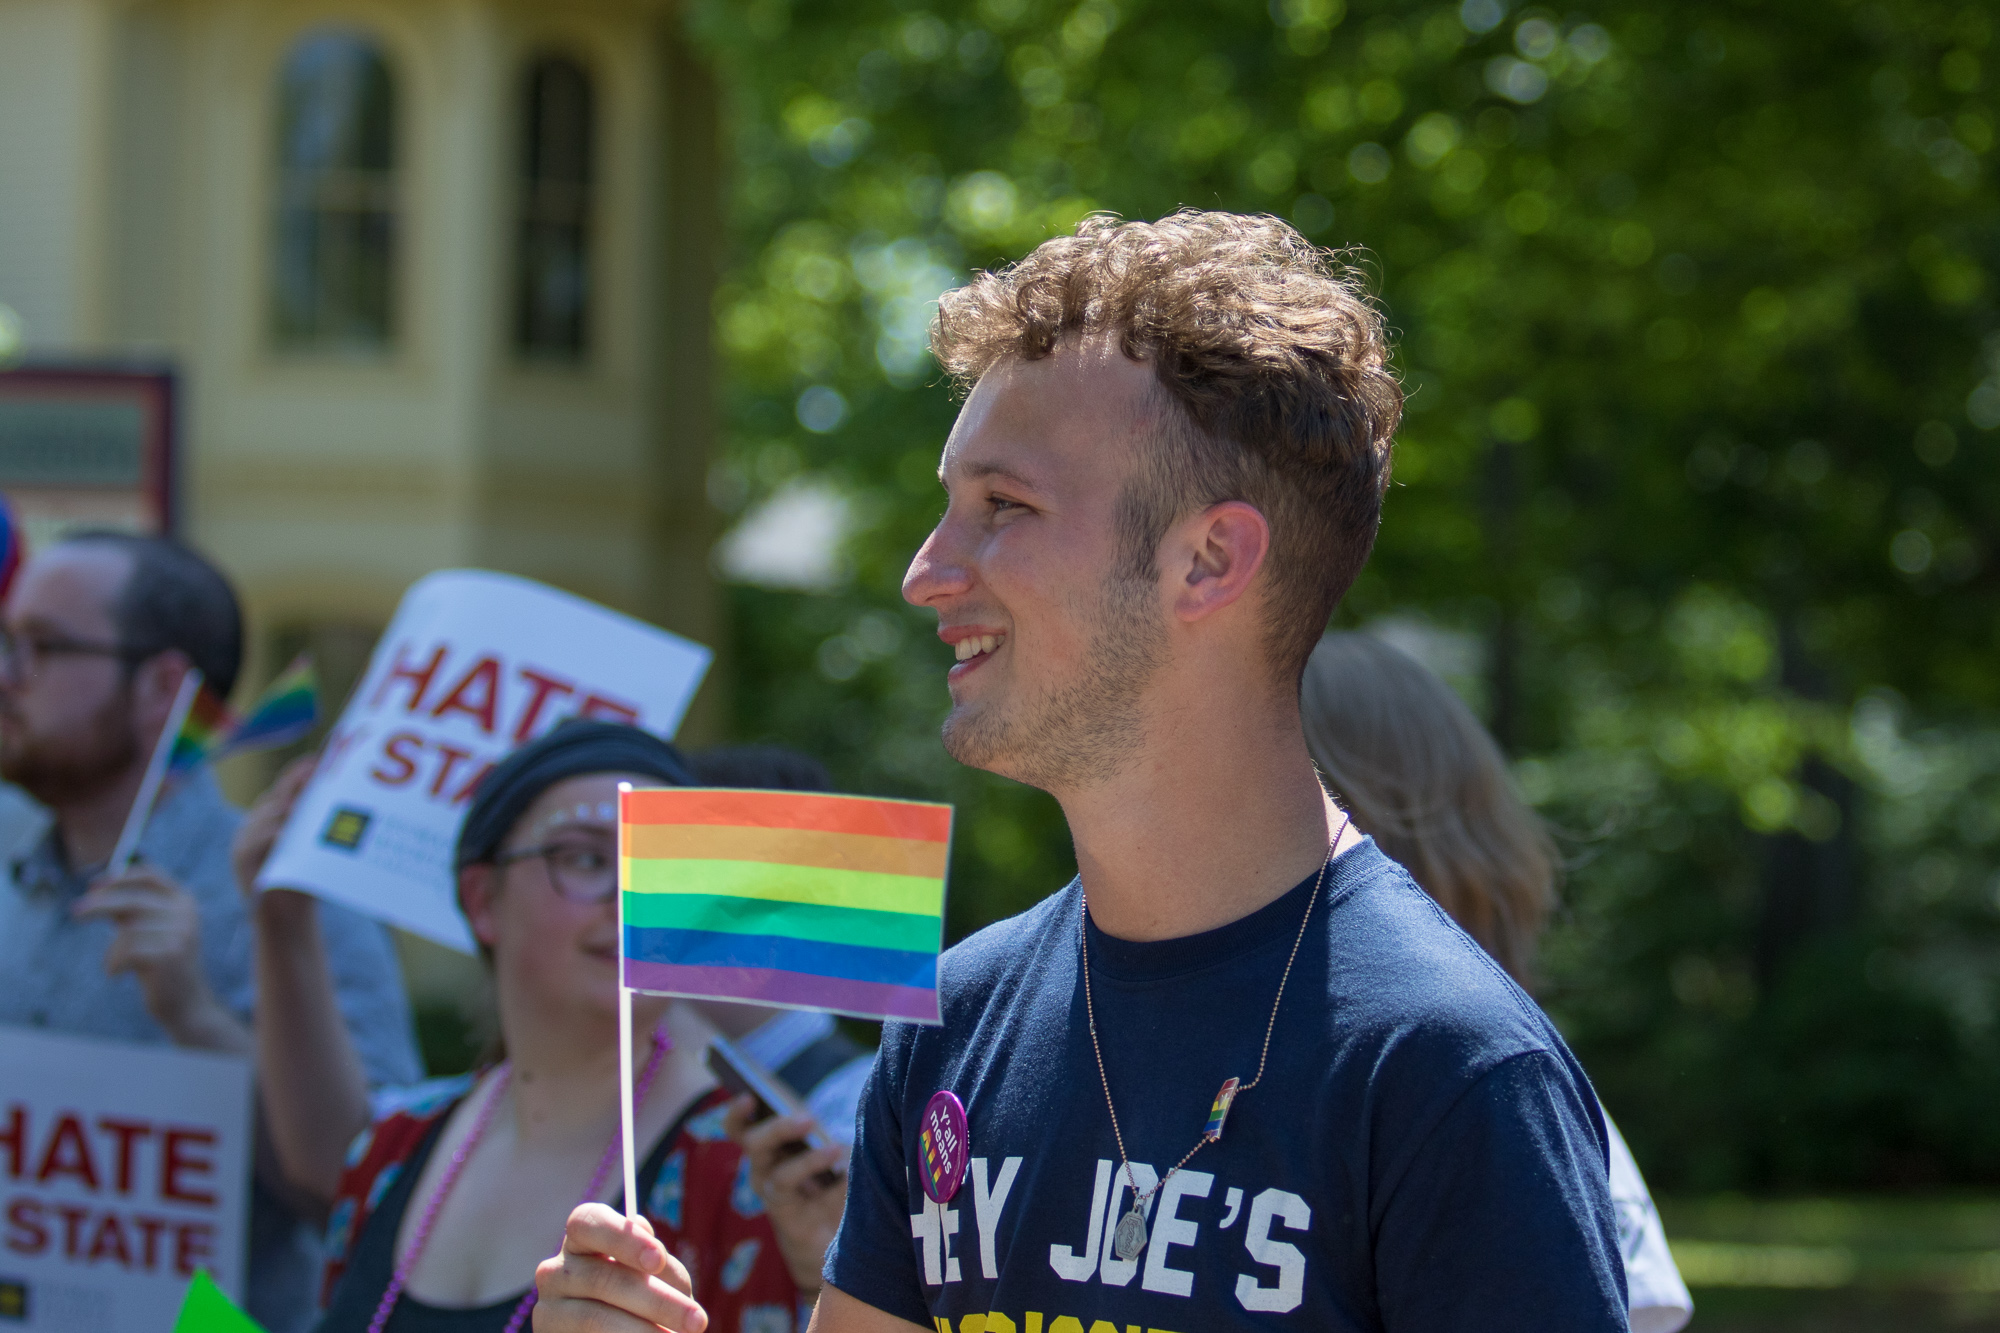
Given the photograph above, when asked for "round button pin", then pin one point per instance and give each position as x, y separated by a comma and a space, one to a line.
944, 1147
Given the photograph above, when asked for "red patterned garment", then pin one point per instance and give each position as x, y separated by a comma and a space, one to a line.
696, 1191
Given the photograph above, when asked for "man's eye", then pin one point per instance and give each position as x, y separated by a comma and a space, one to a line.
999, 502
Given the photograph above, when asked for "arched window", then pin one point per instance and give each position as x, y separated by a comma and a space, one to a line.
552, 266
334, 271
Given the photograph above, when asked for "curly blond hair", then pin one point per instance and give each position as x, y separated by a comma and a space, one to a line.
1275, 363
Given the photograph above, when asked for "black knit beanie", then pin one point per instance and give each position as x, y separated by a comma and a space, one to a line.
574, 748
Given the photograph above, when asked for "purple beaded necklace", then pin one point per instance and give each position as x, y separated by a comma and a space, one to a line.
400, 1278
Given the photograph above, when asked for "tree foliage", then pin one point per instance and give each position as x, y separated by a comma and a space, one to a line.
1698, 325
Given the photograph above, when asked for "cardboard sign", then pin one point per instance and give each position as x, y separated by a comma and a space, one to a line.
124, 1169
473, 665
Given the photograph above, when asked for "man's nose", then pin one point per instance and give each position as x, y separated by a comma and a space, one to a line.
938, 570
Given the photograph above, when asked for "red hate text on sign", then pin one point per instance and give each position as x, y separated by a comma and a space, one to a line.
120, 1166
136, 1241
442, 770
508, 704
498, 700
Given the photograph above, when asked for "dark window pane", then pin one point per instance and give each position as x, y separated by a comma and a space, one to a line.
552, 277
333, 283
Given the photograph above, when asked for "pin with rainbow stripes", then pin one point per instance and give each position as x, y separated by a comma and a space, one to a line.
944, 1146
1225, 1097
802, 900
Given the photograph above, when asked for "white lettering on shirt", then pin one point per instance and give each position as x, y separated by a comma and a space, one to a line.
924, 1227
986, 1206
1069, 1265
935, 1226
1231, 1203
1294, 1212
1117, 1272
949, 1218
1169, 1229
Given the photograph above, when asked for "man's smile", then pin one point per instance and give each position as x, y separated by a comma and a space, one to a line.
972, 645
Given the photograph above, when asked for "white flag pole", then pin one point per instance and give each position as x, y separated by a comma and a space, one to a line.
625, 1028
127, 850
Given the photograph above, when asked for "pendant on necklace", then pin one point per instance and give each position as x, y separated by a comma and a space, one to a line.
1130, 1237
1219, 1112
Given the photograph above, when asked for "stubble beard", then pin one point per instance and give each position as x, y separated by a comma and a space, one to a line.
59, 771
1087, 730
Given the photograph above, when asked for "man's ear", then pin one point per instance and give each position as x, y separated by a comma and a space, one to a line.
1218, 553
155, 684
477, 887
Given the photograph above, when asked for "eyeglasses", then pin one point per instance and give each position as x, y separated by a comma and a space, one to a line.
581, 870
22, 655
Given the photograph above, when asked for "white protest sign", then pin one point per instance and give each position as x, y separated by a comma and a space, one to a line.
123, 1169
474, 664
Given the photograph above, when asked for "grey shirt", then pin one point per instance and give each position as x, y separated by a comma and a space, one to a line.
52, 976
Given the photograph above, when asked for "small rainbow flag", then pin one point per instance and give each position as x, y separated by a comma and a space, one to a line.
206, 727
283, 713
797, 899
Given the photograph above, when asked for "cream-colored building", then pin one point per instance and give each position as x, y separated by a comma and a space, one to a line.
435, 276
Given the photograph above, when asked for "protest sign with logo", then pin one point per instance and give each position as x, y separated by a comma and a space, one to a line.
474, 664
123, 1171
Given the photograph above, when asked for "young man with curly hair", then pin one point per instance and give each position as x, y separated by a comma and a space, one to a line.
1241, 1072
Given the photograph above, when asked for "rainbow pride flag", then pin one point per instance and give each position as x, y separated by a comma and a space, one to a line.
283, 713
797, 899
206, 727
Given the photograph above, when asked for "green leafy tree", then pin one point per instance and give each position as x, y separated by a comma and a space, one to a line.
1698, 325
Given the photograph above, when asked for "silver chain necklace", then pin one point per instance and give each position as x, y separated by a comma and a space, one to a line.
1130, 1237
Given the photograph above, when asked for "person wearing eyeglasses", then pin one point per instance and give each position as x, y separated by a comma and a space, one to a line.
95, 637
444, 1198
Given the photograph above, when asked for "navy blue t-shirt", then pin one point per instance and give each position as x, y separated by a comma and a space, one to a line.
1422, 1154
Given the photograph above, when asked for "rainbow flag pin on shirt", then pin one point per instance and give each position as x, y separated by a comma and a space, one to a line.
798, 899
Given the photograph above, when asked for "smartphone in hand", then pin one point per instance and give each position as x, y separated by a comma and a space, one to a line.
742, 1074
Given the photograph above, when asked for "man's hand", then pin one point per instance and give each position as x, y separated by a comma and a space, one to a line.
159, 943
260, 828
613, 1276
804, 1192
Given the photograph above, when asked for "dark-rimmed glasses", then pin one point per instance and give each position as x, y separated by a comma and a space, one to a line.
22, 655
581, 870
